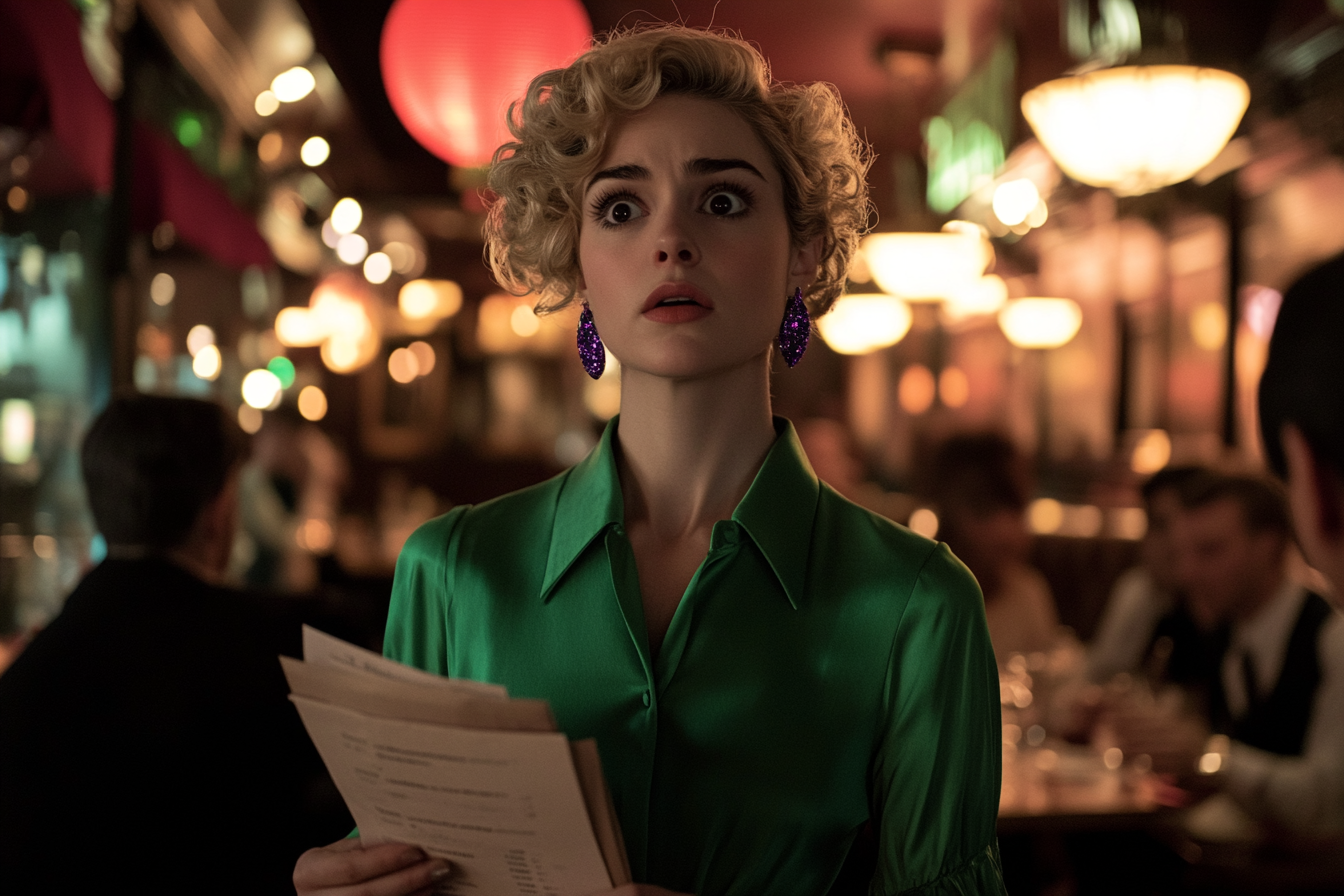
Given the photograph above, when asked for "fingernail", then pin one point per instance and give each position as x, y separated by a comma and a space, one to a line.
441, 872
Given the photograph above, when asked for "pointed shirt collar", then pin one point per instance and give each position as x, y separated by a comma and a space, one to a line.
777, 510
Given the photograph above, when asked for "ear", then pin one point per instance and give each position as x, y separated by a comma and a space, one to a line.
1314, 491
804, 262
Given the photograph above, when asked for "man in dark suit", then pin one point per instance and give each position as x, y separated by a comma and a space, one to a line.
146, 742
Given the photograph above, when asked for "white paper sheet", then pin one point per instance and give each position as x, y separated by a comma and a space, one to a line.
322, 649
505, 807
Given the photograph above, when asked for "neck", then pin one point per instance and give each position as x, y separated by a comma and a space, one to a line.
1260, 596
689, 449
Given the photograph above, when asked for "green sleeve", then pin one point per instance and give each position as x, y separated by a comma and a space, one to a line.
938, 767
417, 621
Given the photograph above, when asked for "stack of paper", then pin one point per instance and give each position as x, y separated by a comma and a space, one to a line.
460, 770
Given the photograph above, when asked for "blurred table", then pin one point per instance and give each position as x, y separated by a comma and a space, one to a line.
1071, 788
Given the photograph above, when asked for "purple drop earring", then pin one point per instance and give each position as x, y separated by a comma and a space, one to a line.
591, 351
795, 329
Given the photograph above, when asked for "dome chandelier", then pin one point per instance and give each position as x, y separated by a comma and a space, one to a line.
1132, 120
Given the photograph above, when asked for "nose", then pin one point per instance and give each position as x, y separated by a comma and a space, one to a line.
675, 243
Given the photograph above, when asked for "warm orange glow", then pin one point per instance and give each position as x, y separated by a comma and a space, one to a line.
429, 299
864, 322
402, 365
1040, 322
424, 356
312, 403
954, 389
916, 389
927, 266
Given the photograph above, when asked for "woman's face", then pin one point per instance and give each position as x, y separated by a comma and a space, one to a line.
684, 247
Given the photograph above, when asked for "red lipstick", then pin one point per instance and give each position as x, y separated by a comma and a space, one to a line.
677, 302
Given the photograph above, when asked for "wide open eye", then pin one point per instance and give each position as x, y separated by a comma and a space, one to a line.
724, 203
616, 209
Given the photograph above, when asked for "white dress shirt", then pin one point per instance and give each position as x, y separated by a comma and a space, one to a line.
1135, 607
1302, 793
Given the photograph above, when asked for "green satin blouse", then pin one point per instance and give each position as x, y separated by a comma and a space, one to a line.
825, 667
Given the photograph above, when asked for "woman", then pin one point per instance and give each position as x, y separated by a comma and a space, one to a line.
768, 669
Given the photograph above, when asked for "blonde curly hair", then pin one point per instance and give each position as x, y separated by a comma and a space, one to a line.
561, 128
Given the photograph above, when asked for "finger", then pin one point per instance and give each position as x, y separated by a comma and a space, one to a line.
342, 864
424, 877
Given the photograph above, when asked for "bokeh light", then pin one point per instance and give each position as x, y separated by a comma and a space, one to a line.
346, 215
283, 368
292, 85
312, 403
403, 366
207, 362
377, 267
424, 356
314, 151
266, 104
262, 389
162, 288
198, 337
352, 248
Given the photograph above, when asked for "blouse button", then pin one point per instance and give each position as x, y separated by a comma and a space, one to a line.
647, 701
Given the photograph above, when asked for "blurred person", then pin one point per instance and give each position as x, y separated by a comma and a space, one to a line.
1277, 695
1148, 626
980, 487
1302, 413
294, 475
150, 719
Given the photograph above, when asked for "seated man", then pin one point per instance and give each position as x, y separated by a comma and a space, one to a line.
1148, 628
1278, 693
149, 724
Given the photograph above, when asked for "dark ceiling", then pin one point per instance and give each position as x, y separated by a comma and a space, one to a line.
805, 40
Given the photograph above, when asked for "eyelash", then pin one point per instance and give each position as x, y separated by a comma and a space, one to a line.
605, 200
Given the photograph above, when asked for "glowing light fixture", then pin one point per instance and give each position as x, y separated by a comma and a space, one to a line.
352, 248
403, 366
924, 267
377, 267
207, 363
346, 215
293, 84
314, 151
864, 322
1040, 322
984, 296
1014, 200
312, 403
198, 337
425, 299
298, 327
1151, 452
18, 426
266, 104
162, 288
1135, 129
424, 356
262, 389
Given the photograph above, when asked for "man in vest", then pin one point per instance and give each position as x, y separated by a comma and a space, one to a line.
1278, 695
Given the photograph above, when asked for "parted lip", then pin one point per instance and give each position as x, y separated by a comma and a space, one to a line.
677, 289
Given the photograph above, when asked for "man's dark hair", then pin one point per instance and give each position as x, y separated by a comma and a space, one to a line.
1303, 382
152, 464
983, 472
1261, 500
1177, 479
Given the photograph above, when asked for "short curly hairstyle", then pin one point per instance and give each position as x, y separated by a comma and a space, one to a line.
562, 125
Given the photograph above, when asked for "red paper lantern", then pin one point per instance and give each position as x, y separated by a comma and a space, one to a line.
451, 67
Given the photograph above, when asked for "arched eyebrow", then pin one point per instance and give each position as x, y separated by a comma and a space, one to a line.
694, 166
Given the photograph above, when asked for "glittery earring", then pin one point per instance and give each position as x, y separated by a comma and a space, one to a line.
591, 351
795, 329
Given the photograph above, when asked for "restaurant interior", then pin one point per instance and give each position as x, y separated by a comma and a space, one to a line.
1086, 213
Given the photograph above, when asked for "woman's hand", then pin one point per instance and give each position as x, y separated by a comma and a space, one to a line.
348, 868
640, 890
